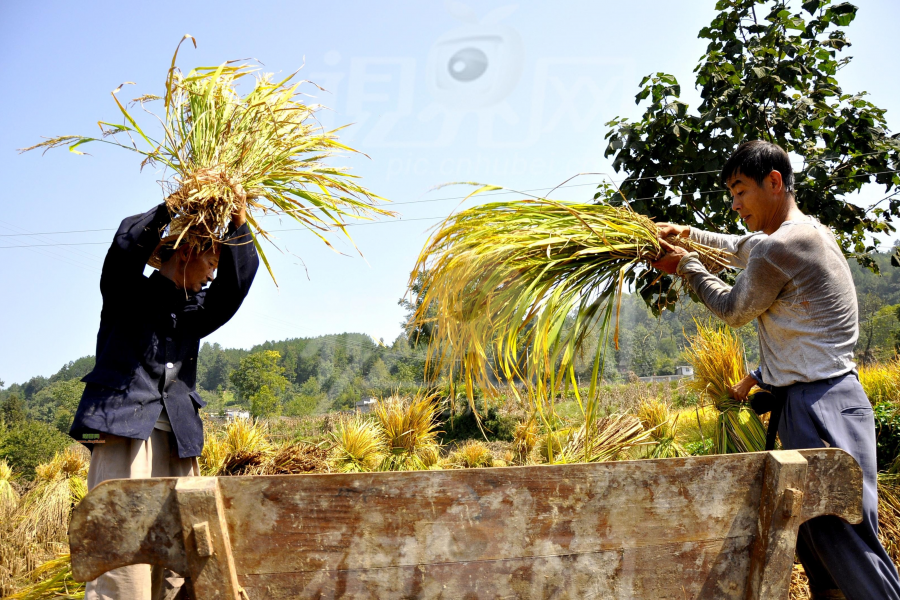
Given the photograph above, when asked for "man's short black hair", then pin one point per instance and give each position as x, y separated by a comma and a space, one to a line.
167, 250
756, 160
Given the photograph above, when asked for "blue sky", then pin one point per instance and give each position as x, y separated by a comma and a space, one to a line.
557, 72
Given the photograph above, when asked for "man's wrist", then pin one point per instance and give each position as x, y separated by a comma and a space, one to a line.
679, 270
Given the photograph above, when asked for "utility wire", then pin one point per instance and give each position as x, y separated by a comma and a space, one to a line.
659, 197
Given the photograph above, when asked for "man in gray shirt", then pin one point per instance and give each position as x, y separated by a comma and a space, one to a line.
797, 284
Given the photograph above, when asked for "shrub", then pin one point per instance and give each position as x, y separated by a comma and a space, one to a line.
464, 426
31, 443
887, 431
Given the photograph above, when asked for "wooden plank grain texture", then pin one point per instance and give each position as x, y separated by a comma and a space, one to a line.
126, 522
673, 528
376, 520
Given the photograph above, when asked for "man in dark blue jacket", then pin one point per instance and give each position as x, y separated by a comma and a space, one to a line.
139, 412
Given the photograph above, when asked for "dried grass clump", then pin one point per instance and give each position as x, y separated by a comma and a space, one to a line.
799, 589
264, 150
246, 447
605, 439
71, 462
50, 580
473, 454
8, 496
658, 420
889, 514
358, 445
409, 428
551, 444
717, 355
499, 282
297, 458
881, 381
525, 438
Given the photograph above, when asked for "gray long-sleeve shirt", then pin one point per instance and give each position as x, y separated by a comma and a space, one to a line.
797, 284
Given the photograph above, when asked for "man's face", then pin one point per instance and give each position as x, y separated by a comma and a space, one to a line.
755, 203
199, 269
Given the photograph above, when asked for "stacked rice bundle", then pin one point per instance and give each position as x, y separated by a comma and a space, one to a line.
657, 419
717, 356
264, 150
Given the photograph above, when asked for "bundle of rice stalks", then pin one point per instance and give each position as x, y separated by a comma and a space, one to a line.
551, 444
71, 462
525, 438
213, 455
224, 150
8, 496
296, 458
799, 589
42, 515
881, 381
717, 356
657, 419
358, 445
51, 580
608, 438
247, 447
889, 514
471, 455
502, 279
409, 428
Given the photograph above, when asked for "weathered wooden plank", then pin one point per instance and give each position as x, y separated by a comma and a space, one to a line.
713, 569
210, 564
377, 520
834, 485
676, 528
772, 553
126, 522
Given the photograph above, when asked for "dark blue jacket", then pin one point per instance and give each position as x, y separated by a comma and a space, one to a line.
150, 335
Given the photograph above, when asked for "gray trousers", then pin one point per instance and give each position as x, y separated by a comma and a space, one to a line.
126, 458
836, 555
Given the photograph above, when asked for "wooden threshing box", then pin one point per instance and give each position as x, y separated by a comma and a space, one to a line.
701, 527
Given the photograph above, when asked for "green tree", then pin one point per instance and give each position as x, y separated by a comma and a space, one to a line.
31, 443
769, 72
418, 332
258, 370
13, 410
305, 400
264, 403
57, 403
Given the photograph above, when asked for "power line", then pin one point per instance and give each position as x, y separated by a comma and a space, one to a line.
659, 197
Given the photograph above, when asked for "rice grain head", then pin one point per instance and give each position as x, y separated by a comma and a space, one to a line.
525, 438
889, 514
473, 454
264, 150
881, 381
512, 290
8, 496
247, 446
296, 458
213, 455
605, 439
717, 355
409, 428
658, 420
358, 445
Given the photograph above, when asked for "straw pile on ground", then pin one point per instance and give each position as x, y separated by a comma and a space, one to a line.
264, 150
717, 355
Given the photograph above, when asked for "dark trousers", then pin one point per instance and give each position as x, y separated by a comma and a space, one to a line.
836, 555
